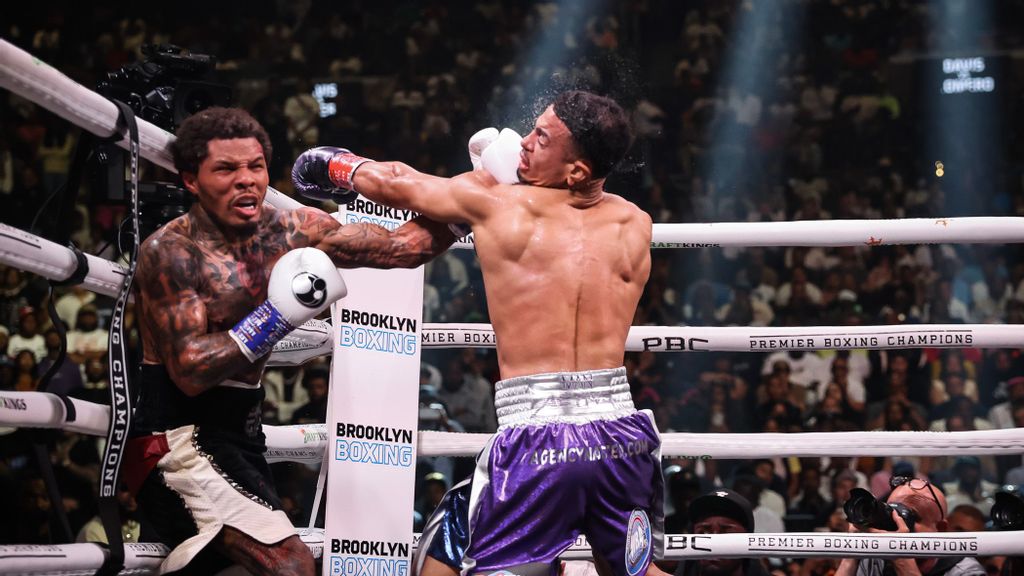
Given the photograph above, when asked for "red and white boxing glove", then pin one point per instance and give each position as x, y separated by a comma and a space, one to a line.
302, 284
326, 173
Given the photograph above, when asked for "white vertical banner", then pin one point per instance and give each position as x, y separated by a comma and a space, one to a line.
374, 414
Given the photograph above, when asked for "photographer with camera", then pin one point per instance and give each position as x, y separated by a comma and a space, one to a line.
913, 505
1008, 515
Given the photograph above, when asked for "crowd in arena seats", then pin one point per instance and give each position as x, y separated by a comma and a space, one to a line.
827, 133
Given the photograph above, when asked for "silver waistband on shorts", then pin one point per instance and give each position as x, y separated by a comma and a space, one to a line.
567, 397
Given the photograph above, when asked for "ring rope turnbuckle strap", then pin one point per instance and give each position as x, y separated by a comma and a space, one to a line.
119, 371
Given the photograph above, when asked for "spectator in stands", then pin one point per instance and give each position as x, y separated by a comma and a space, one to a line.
744, 310
5, 342
68, 377
316, 382
303, 114
28, 336
26, 371
765, 519
778, 402
969, 486
808, 500
853, 392
468, 396
1001, 415
285, 393
721, 511
87, 341
966, 518
68, 305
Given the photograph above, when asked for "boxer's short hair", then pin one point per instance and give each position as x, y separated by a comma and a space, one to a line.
600, 128
190, 148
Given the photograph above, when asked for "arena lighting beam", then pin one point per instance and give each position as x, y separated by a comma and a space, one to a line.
764, 29
547, 52
963, 99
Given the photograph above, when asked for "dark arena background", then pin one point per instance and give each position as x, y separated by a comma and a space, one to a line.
743, 110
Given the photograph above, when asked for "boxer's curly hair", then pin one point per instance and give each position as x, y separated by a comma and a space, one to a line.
190, 148
600, 128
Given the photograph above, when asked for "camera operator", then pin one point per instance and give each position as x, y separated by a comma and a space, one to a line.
1008, 515
914, 505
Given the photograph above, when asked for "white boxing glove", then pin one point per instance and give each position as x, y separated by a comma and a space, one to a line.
501, 157
479, 142
302, 284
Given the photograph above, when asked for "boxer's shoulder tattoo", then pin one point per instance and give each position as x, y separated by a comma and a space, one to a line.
167, 266
171, 273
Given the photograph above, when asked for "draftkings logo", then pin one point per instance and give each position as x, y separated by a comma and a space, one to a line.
313, 435
368, 558
13, 403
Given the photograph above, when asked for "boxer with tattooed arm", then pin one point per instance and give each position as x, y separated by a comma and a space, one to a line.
196, 456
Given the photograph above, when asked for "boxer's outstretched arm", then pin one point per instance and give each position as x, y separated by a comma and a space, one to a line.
369, 245
467, 197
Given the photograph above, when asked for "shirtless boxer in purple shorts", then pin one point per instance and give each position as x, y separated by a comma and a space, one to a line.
564, 265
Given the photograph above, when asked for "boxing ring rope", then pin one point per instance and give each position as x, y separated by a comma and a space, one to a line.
144, 559
306, 442
768, 339
33, 79
140, 558
55, 262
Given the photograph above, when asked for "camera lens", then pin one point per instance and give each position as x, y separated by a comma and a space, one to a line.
1008, 511
863, 509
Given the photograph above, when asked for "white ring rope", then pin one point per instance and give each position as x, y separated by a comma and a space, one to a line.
143, 559
306, 442
84, 559
78, 559
831, 544
55, 262
768, 339
833, 233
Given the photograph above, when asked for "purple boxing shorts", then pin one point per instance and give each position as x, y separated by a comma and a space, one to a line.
571, 455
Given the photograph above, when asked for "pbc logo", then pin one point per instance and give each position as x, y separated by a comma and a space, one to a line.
309, 289
691, 542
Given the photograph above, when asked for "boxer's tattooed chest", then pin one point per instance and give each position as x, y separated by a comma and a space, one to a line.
234, 281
